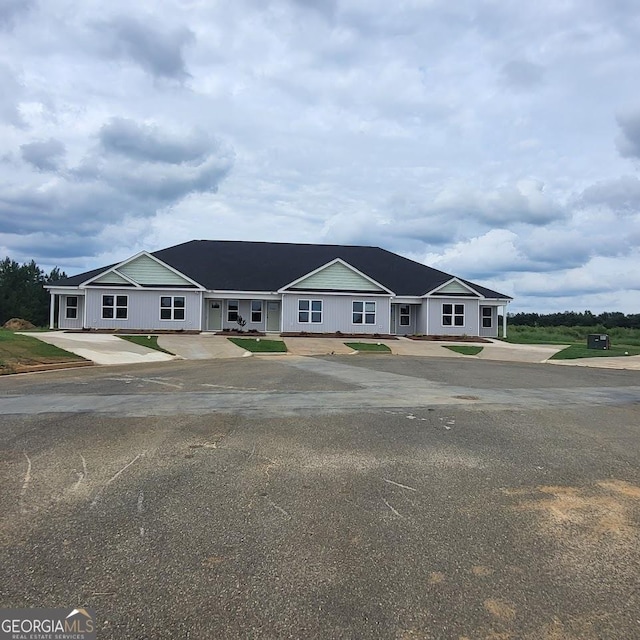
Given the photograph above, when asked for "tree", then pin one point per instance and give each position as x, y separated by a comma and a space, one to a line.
22, 294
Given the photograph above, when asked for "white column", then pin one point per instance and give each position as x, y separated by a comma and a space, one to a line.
52, 307
504, 321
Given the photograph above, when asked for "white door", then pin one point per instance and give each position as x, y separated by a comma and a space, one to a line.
273, 316
215, 315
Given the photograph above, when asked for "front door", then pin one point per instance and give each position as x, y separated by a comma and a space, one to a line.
214, 322
394, 308
273, 316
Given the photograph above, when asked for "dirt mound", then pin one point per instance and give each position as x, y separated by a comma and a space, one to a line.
17, 324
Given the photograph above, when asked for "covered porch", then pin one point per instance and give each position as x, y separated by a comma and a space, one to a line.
260, 313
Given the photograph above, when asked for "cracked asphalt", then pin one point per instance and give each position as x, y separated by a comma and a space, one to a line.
337, 497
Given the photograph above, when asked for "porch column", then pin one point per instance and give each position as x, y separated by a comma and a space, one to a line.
52, 310
504, 321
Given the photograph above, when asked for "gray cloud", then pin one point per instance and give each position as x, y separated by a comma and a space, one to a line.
106, 187
12, 10
11, 91
44, 155
159, 51
629, 142
521, 74
621, 195
150, 144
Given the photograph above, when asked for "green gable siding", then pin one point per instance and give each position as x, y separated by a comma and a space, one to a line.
146, 271
454, 288
337, 277
113, 277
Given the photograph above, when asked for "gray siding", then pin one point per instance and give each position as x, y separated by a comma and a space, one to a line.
336, 314
245, 312
471, 317
143, 310
70, 323
421, 318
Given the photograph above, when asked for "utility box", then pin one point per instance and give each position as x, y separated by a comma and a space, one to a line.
598, 341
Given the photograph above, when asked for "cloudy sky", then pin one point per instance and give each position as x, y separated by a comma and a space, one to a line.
494, 139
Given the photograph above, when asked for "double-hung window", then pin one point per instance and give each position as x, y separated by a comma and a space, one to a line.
452, 315
71, 310
487, 317
405, 315
115, 307
256, 311
172, 307
233, 310
363, 312
310, 311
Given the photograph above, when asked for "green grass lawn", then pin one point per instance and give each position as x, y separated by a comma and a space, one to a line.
259, 345
581, 351
619, 336
150, 342
368, 346
464, 349
18, 352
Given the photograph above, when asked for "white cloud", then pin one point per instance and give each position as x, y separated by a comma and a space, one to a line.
497, 140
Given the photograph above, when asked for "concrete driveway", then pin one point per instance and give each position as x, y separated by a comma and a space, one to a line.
101, 348
204, 346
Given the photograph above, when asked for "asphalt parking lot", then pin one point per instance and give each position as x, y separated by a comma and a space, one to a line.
335, 497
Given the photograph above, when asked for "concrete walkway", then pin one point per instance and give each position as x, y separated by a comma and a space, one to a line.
101, 348
203, 346
110, 349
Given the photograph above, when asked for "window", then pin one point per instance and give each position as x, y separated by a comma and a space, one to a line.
405, 315
256, 311
364, 312
487, 317
71, 312
233, 308
452, 314
310, 311
115, 307
171, 307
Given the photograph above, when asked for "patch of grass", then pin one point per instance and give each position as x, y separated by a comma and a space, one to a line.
258, 345
620, 336
581, 351
150, 342
368, 346
18, 351
464, 349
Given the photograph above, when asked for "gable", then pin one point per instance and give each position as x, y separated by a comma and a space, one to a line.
111, 277
454, 288
147, 271
336, 277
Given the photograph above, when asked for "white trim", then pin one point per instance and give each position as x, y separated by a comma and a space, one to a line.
52, 307
201, 298
67, 307
83, 285
453, 314
139, 255
226, 308
329, 264
364, 313
261, 312
310, 311
115, 307
457, 280
172, 308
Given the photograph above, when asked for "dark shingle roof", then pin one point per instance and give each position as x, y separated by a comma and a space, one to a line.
268, 266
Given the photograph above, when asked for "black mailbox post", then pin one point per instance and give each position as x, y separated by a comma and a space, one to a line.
598, 341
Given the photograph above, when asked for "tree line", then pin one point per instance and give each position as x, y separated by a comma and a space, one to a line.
607, 319
22, 294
